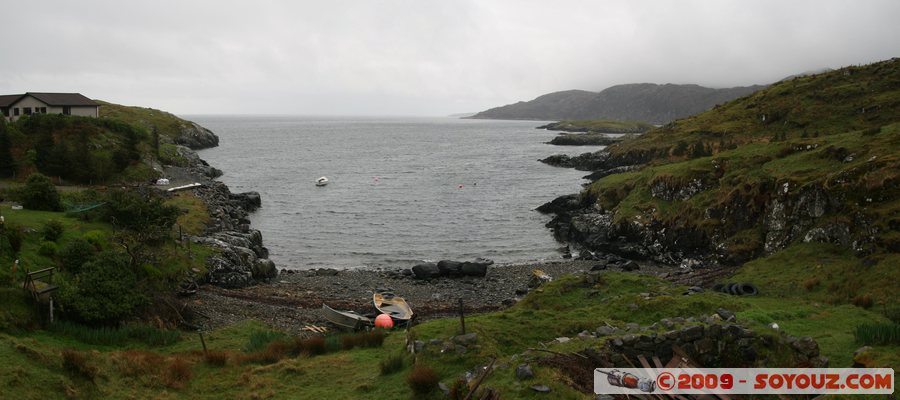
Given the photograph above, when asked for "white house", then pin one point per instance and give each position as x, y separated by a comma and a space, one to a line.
13, 106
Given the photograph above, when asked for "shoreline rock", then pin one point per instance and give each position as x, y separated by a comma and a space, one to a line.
243, 259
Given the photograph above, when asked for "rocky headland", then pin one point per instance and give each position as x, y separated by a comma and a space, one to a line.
242, 259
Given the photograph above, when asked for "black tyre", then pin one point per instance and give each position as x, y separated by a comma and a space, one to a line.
733, 289
747, 289
718, 287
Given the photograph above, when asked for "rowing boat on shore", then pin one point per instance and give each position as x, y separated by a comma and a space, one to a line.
392, 305
348, 320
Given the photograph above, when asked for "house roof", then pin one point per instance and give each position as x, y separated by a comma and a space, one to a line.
7, 99
51, 99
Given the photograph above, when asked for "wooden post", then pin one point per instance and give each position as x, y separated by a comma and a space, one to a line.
462, 317
202, 342
51, 309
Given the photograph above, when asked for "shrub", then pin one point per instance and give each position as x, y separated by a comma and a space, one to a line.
392, 364
47, 249
40, 194
422, 380
811, 283
216, 358
52, 230
864, 301
363, 339
15, 236
314, 346
878, 334
76, 363
105, 291
74, 254
178, 373
96, 238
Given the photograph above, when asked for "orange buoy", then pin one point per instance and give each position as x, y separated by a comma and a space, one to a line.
384, 321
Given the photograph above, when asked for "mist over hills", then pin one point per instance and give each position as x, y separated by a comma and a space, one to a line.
645, 102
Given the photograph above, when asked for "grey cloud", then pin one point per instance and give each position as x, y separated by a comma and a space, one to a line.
420, 57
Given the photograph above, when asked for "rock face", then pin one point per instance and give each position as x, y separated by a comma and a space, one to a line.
196, 137
715, 344
784, 213
242, 259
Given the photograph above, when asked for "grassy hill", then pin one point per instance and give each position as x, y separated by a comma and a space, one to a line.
647, 102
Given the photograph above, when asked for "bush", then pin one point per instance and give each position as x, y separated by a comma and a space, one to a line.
15, 236
138, 363
47, 249
422, 380
40, 194
74, 254
76, 363
878, 334
105, 291
52, 230
811, 283
363, 339
96, 238
392, 364
863, 300
314, 346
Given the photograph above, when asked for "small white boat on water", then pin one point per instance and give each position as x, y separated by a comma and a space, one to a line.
322, 181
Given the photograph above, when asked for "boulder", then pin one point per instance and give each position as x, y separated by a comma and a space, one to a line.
630, 266
807, 346
473, 269
523, 372
725, 314
426, 271
264, 269
466, 340
249, 201
449, 268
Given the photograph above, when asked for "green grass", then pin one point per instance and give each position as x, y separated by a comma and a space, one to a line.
561, 308
600, 126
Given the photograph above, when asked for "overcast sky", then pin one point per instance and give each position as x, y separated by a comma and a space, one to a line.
418, 57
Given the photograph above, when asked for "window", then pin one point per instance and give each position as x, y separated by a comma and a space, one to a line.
5, 111
67, 110
27, 110
43, 110
16, 111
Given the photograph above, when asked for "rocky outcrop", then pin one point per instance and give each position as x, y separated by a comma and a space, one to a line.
584, 139
242, 259
196, 137
196, 165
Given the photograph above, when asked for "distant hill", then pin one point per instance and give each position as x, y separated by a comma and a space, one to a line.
646, 102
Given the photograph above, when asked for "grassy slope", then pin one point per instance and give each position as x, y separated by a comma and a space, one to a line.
30, 364
166, 124
600, 126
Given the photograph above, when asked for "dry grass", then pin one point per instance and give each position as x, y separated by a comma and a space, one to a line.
137, 363
864, 301
811, 284
178, 373
422, 380
77, 363
216, 358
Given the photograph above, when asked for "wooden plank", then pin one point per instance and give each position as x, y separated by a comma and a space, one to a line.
657, 362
